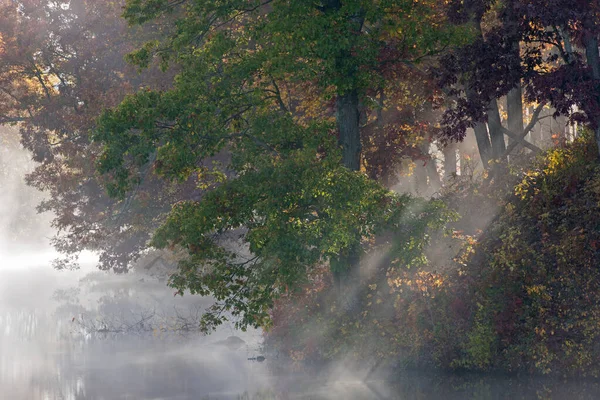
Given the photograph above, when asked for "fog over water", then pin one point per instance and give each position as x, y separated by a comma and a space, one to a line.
91, 335
45, 352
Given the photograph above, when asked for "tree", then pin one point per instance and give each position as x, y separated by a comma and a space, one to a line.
528, 47
293, 189
60, 64
573, 83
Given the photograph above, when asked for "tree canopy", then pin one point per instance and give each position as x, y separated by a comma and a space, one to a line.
295, 197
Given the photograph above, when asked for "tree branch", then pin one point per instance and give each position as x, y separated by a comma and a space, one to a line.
278, 97
7, 120
520, 139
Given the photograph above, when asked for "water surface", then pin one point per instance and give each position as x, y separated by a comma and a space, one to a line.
48, 353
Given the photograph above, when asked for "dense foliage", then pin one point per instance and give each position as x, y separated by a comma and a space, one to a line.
295, 200
535, 271
522, 296
60, 65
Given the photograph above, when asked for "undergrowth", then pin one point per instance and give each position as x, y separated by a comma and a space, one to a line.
521, 294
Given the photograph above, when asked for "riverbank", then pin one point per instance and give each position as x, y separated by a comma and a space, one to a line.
520, 295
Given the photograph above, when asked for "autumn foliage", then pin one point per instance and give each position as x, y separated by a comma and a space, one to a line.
521, 296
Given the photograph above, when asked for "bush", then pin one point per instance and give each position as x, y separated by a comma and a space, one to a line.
523, 294
536, 270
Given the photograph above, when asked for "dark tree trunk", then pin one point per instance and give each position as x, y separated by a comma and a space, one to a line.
536, 132
348, 119
483, 144
514, 98
496, 133
514, 109
483, 140
345, 267
481, 132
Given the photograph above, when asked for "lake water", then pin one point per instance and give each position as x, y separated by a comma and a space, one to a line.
48, 351
47, 354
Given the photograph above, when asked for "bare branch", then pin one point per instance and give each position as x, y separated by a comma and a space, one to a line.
520, 139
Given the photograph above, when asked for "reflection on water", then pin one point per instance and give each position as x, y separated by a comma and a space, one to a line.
41, 358
38, 361
44, 356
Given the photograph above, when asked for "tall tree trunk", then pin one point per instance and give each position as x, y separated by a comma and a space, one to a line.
496, 133
481, 132
483, 144
481, 136
593, 60
498, 147
514, 109
348, 119
536, 132
514, 98
345, 267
